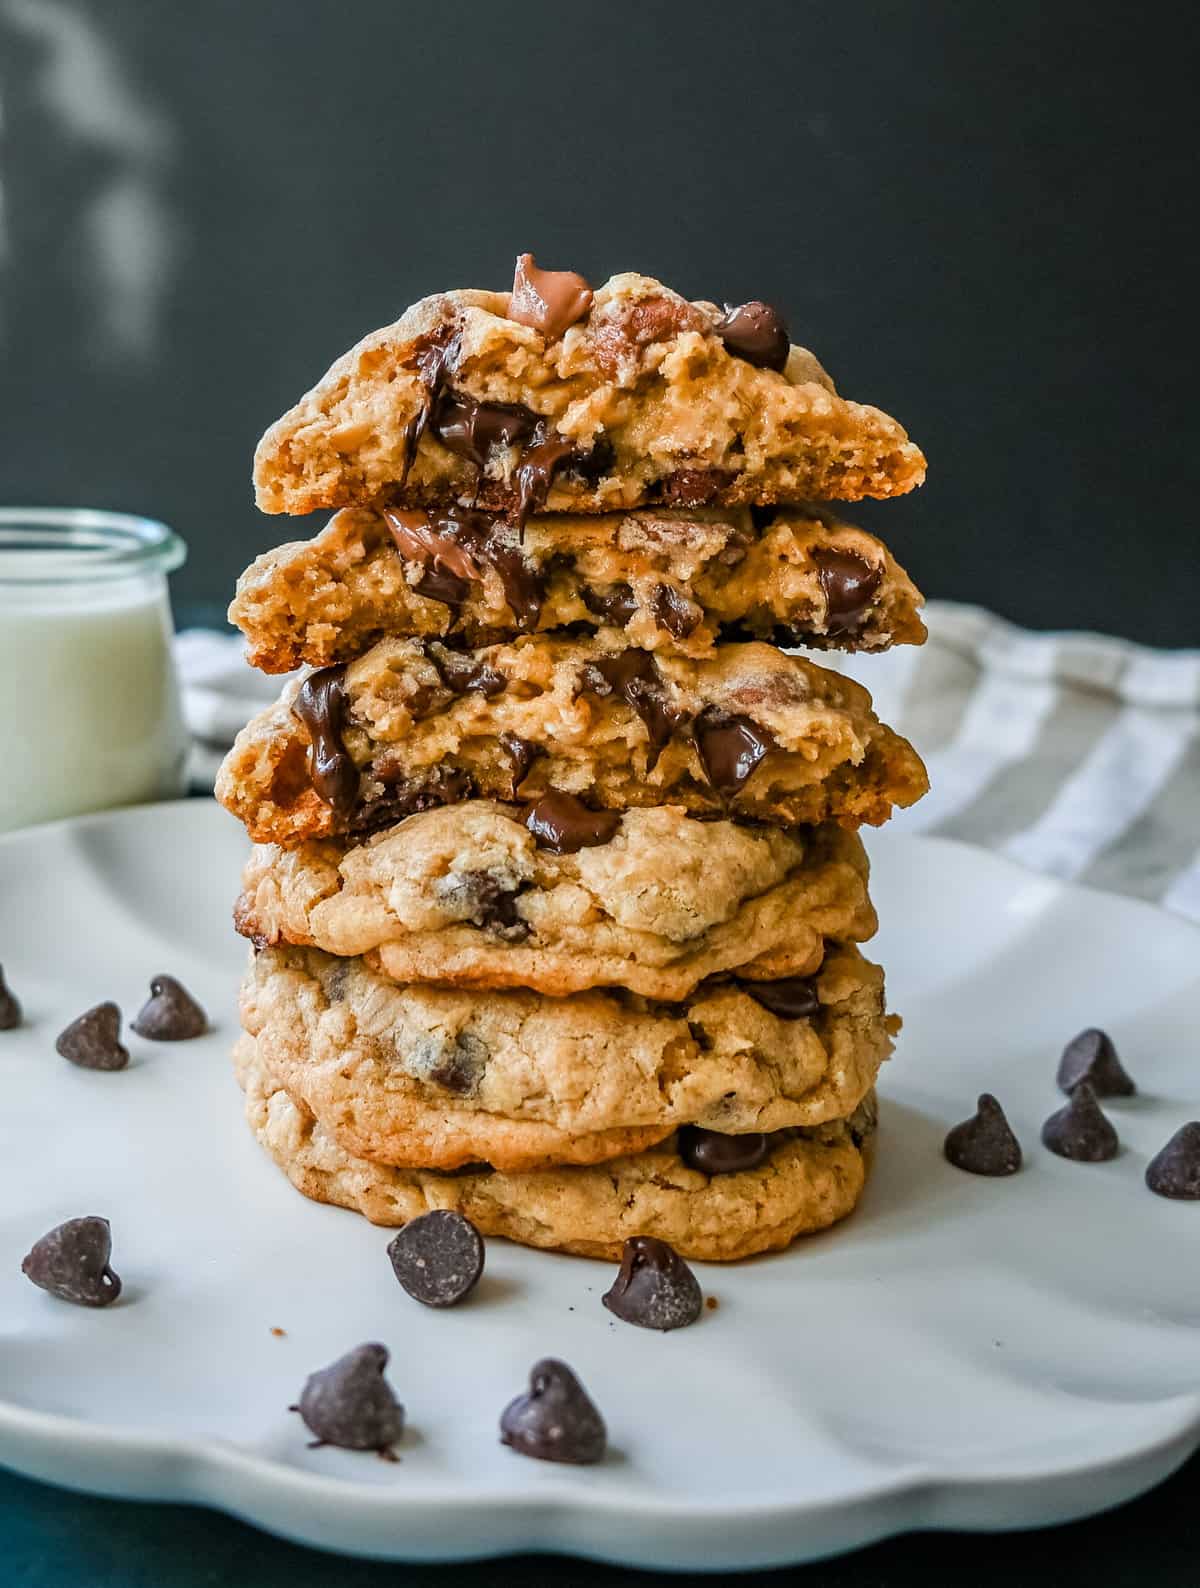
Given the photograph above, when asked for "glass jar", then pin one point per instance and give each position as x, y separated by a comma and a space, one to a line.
89, 699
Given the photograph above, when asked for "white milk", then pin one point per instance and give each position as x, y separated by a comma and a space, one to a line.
89, 703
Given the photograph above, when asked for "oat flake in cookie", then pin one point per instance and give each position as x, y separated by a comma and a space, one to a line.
555, 1419
351, 1404
438, 1258
72, 1261
170, 1014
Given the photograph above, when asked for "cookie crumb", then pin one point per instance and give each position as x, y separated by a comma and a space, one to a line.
711, 1303
280, 1334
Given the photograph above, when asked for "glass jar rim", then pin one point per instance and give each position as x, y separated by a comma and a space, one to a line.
82, 544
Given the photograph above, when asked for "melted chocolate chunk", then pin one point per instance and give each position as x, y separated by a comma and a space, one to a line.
616, 605
471, 429
491, 904
522, 754
694, 487
984, 1144
654, 1288
10, 1009
564, 825
321, 706
548, 300
849, 584
438, 1258
591, 467
730, 748
462, 675
453, 545
351, 1404
634, 676
1174, 1171
712, 1152
555, 1420
454, 1062
71, 1261
435, 355
1080, 1131
535, 473
754, 331
93, 1041
674, 612
1092, 1057
405, 797
791, 997
170, 1014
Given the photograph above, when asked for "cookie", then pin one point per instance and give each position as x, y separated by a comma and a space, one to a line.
641, 402
669, 579
809, 1180
466, 896
748, 732
419, 1075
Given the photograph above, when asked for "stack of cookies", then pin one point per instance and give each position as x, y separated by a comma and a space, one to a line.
557, 891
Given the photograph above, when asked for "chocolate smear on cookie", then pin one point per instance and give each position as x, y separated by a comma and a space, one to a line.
321, 706
452, 546
654, 1288
714, 1152
1174, 1171
170, 1014
729, 748
984, 1144
1080, 1131
849, 584
72, 1261
634, 677
93, 1041
535, 473
548, 300
755, 332
10, 1009
1092, 1057
564, 825
351, 1404
435, 354
555, 1420
789, 997
438, 1258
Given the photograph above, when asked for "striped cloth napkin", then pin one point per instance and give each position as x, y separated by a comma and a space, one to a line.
1074, 754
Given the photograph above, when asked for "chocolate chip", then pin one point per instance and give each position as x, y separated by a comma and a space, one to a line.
564, 825
94, 1040
438, 1258
1175, 1170
616, 605
673, 611
407, 796
10, 1009
471, 429
170, 1014
694, 487
521, 754
713, 1152
984, 1144
555, 1420
454, 1062
790, 997
72, 1261
548, 300
849, 584
633, 675
654, 1288
730, 748
321, 706
351, 1404
754, 331
1092, 1057
1080, 1131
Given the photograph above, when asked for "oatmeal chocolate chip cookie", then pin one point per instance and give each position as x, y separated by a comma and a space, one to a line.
808, 1180
671, 580
645, 399
464, 895
420, 1075
748, 732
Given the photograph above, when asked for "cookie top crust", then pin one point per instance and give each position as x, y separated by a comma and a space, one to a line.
439, 1077
464, 895
643, 401
669, 579
749, 733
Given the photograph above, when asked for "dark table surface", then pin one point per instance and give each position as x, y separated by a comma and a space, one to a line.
52, 1539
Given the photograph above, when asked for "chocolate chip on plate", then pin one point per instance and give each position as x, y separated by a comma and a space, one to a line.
170, 1014
1175, 1170
714, 1152
654, 1287
1092, 1057
94, 1040
10, 1009
555, 1420
438, 1257
1081, 1131
72, 1261
351, 1404
984, 1144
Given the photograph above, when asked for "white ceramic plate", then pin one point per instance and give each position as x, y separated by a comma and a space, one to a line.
963, 1352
